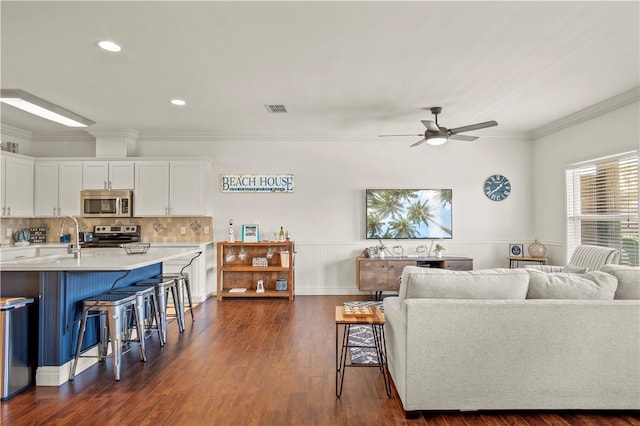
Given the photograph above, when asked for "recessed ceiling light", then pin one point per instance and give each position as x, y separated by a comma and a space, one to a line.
178, 102
109, 46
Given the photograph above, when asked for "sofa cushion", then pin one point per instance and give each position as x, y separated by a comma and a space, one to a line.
562, 285
433, 283
574, 269
628, 280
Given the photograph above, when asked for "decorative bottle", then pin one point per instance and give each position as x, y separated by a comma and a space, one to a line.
537, 249
281, 234
230, 236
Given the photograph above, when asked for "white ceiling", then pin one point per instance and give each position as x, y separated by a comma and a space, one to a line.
343, 69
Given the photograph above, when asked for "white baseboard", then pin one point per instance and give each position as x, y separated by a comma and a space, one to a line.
58, 375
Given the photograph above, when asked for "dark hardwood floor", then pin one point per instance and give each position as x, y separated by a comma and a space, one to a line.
249, 362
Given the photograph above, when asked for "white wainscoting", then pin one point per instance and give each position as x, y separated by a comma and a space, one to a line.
329, 268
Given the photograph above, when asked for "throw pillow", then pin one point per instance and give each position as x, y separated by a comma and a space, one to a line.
594, 285
573, 269
628, 280
427, 283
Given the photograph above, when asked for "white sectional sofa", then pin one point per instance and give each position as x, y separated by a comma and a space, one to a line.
474, 341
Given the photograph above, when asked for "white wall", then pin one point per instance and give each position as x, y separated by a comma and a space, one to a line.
615, 132
325, 215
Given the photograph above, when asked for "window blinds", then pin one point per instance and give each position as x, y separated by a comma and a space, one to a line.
602, 205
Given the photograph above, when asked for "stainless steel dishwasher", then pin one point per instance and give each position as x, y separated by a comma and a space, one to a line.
15, 360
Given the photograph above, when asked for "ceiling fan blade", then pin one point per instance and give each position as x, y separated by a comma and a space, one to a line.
473, 127
463, 137
413, 134
421, 141
430, 125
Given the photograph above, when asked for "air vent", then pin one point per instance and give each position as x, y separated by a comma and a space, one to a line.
276, 109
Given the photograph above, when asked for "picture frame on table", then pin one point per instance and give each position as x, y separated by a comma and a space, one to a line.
250, 233
516, 250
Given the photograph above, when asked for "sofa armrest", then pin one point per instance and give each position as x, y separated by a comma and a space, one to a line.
546, 268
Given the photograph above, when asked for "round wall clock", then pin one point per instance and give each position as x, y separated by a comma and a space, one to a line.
497, 187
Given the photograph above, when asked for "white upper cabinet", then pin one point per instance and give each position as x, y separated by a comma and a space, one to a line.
169, 188
16, 186
57, 188
186, 188
151, 197
108, 175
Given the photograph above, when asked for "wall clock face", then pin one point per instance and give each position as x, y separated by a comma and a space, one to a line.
497, 187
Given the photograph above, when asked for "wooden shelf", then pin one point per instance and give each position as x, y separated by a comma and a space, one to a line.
240, 273
253, 293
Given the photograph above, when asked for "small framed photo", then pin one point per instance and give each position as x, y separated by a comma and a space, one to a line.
516, 250
250, 233
259, 261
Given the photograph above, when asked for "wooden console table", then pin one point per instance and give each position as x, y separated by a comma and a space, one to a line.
384, 274
514, 261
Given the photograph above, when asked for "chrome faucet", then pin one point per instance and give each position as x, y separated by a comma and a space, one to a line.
71, 248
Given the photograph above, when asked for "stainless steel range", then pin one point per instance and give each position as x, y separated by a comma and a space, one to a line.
113, 235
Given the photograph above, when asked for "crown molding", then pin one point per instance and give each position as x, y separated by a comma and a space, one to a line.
611, 104
210, 137
63, 137
15, 132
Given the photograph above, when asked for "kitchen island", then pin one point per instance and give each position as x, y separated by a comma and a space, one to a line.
59, 283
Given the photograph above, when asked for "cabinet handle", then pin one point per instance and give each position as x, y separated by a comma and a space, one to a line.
110, 185
4, 211
9, 211
54, 210
58, 211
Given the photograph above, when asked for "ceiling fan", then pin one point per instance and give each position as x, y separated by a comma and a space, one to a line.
437, 135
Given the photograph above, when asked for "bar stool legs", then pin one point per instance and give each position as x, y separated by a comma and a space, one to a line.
112, 310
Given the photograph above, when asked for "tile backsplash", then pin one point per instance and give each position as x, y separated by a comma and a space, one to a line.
153, 229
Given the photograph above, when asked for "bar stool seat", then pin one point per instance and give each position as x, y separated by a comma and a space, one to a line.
147, 306
162, 288
113, 310
182, 283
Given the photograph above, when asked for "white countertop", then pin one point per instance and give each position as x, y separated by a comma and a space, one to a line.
100, 259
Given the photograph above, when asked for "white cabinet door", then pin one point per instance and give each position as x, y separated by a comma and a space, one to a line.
17, 187
151, 196
95, 174
186, 188
69, 187
108, 175
121, 175
46, 189
57, 188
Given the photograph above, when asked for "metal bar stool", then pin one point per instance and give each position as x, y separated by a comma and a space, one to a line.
147, 306
182, 282
162, 288
112, 308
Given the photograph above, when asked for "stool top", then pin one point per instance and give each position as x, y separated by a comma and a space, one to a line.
111, 297
133, 289
172, 275
156, 281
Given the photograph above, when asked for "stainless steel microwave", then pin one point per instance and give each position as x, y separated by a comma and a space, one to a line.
106, 203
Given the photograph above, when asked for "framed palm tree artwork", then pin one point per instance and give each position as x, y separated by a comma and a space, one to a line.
409, 213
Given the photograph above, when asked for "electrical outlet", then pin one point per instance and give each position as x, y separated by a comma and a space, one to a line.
9, 232
183, 230
206, 229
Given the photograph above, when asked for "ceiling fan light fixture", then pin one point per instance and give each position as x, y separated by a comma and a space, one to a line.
436, 140
32, 104
109, 46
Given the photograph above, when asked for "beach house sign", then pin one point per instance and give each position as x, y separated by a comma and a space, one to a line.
256, 183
